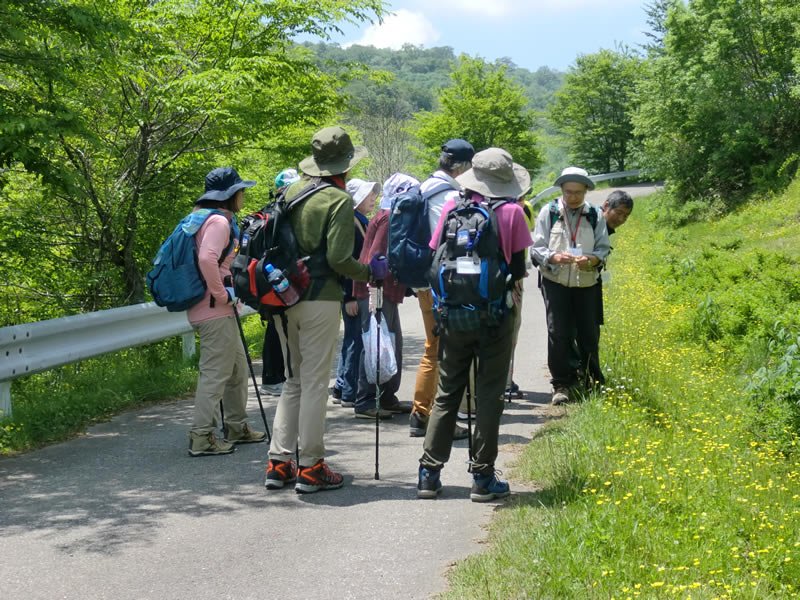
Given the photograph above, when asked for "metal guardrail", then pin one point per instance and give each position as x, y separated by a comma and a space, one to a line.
604, 177
35, 347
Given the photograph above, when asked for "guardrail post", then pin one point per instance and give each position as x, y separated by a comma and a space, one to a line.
5, 399
188, 345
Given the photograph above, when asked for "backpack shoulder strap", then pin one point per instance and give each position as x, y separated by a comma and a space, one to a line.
306, 192
437, 189
592, 216
554, 212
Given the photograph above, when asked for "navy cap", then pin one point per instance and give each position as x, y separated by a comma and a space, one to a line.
222, 183
458, 149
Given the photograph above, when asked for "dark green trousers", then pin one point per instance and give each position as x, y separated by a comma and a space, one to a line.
492, 347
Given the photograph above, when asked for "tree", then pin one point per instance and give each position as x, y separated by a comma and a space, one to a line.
155, 94
594, 109
483, 106
719, 109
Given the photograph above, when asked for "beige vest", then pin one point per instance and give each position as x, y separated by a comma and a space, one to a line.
561, 240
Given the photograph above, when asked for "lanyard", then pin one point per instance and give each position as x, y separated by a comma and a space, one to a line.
573, 234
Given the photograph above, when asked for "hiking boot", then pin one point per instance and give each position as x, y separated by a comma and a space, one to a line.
272, 389
417, 424
488, 487
399, 408
335, 393
279, 473
370, 414
460, 433
560, 396
347, 403
242, 434
513, 391
429, 484
205, 444
316, 478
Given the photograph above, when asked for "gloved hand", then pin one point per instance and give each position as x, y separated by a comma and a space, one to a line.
379, 267
232, 299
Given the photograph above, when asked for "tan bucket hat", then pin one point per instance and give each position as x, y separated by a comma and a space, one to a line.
495, 175
332, 153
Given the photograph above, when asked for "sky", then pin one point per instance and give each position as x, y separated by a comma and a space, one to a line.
532, 33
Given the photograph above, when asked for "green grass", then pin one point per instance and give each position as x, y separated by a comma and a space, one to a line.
61, 403
670, 483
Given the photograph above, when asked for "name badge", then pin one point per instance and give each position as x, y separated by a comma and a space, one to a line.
466, 266
576, 251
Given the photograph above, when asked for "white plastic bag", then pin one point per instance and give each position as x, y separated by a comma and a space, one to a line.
388, 360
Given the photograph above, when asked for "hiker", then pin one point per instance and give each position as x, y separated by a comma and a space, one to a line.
570, 246
455, 159
272, 367
616, 209
512, 389
223, 366
322, 224
476, 332
364, 194
376, 244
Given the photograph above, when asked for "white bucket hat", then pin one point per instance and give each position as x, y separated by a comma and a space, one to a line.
576, 175
360, 189
495, 175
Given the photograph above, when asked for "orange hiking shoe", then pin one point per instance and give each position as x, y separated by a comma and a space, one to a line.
316, 478
279, 473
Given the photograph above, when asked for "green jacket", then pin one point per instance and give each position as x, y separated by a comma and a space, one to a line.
328, 213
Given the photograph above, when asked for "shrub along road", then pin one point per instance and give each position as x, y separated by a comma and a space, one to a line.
124, 512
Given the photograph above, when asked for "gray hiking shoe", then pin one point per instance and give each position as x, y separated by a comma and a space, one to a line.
370, 414
208, 445
560, 396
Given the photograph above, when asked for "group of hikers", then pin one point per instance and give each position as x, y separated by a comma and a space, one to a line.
483, 233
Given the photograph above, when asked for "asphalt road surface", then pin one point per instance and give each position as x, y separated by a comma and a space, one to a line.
124, 513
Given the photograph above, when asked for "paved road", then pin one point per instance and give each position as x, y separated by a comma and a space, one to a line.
124, 512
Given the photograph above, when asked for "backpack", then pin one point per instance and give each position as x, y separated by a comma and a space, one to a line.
555, 213
409, 254
267, 238
468, 274
175, 281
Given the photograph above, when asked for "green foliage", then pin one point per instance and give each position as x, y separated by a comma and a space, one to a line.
594, 109
484, 107
156, 94
719, 109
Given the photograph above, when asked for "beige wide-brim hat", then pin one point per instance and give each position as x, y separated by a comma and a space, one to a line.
495, 175
332, 153
576, 175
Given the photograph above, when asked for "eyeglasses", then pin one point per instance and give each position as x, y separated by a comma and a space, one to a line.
574, 192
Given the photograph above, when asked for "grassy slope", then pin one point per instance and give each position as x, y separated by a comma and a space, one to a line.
664, 486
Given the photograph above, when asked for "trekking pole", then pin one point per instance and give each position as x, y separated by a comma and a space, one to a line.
469, 406
252, 372
378, 314
509, 392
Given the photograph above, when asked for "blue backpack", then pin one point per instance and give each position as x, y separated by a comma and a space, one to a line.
175, 280
409, 254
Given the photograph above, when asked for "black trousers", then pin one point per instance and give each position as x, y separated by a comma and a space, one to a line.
573, 316
272, 370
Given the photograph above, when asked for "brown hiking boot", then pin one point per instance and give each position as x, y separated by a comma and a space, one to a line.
207, 445
242, 434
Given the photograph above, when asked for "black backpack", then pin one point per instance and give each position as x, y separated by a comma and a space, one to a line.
468, 275
555, 213
267, 238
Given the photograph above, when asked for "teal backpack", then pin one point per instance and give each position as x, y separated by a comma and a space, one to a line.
175, 281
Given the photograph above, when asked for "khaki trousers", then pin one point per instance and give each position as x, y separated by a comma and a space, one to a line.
222, 376
428, 372
309, 344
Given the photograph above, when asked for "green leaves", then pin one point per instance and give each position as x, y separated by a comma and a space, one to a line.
483, 106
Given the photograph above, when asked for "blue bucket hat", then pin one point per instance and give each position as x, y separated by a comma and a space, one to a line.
222, 183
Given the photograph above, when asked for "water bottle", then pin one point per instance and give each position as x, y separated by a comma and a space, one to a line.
281, 284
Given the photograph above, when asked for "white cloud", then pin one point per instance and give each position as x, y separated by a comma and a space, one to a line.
402, 27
